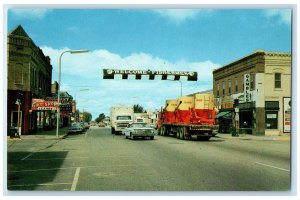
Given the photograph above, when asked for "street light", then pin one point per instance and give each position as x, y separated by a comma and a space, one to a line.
180, 85
59, 79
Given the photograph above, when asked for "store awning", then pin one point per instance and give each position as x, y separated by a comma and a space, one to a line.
224, 114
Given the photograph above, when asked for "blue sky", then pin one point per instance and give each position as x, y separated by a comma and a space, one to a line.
163, 39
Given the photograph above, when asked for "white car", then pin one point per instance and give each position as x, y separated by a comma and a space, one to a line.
138, 130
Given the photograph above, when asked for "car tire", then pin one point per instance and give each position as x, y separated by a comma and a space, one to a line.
151, 137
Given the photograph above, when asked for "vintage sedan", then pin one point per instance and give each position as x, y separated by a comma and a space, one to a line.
135, 130
75, 128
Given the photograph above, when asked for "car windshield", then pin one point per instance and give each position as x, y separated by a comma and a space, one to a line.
140, 125
123, 117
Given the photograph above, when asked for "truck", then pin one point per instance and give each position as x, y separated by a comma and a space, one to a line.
189, 116
120, 117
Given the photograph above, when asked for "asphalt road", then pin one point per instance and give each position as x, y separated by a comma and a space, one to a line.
100, 161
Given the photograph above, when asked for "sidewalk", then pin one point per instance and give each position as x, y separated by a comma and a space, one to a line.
283, 137
48, 135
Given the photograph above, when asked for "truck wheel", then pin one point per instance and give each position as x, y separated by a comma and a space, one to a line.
181, 133
163, 130
178, 133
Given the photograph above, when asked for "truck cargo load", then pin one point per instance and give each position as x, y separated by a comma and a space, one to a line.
193, 116
169, 111
183, 111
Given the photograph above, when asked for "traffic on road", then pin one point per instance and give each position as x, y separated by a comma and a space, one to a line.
101, 161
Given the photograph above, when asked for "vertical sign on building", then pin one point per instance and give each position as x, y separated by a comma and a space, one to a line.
286, 114
247, 87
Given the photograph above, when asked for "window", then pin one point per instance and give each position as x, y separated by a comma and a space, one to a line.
271, 119
218, 89
19, 73
123, 117
223, 88
229, 87
236, 86
252, 85
277, 80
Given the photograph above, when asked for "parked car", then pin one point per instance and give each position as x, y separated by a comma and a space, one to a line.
75, 128
83, 126
134, 130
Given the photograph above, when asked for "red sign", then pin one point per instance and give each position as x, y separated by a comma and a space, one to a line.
41, 104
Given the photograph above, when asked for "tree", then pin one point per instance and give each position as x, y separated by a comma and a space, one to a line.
87, 117
100, 118
138, 109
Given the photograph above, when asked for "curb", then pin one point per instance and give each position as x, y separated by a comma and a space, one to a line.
38, 137
253, 138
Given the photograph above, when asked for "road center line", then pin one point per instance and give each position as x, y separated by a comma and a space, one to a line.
287, 170
75, 180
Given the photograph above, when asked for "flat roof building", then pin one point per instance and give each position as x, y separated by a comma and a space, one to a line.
255, 93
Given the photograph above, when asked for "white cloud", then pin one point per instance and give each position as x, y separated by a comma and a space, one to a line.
30, 14
181, 15
86, 71
282, 15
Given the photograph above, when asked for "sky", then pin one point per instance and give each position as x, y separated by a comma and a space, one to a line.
199, 40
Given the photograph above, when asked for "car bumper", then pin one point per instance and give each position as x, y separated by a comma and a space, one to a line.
74, 131
143, 134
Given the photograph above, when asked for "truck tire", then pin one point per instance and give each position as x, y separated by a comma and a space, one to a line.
183, 132
178, 133
163, 130
158, 131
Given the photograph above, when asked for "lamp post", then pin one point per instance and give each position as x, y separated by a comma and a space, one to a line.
180, 85
59, 80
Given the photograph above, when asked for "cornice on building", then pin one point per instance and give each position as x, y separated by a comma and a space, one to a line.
252, 55
20, 33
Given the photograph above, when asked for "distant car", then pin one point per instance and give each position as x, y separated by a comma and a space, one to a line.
101, 124
138, 130
86, 125
75, 128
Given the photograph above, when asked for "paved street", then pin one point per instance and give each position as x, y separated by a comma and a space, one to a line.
100, 161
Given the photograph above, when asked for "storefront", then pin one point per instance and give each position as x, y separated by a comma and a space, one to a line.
224, 120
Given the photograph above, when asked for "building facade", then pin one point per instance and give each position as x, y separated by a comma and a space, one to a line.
29, 75
254, 93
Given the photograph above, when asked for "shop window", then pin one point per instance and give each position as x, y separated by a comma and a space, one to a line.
271, 119
277, 80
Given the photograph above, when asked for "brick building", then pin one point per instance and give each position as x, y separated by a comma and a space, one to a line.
254, 93
29, 75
